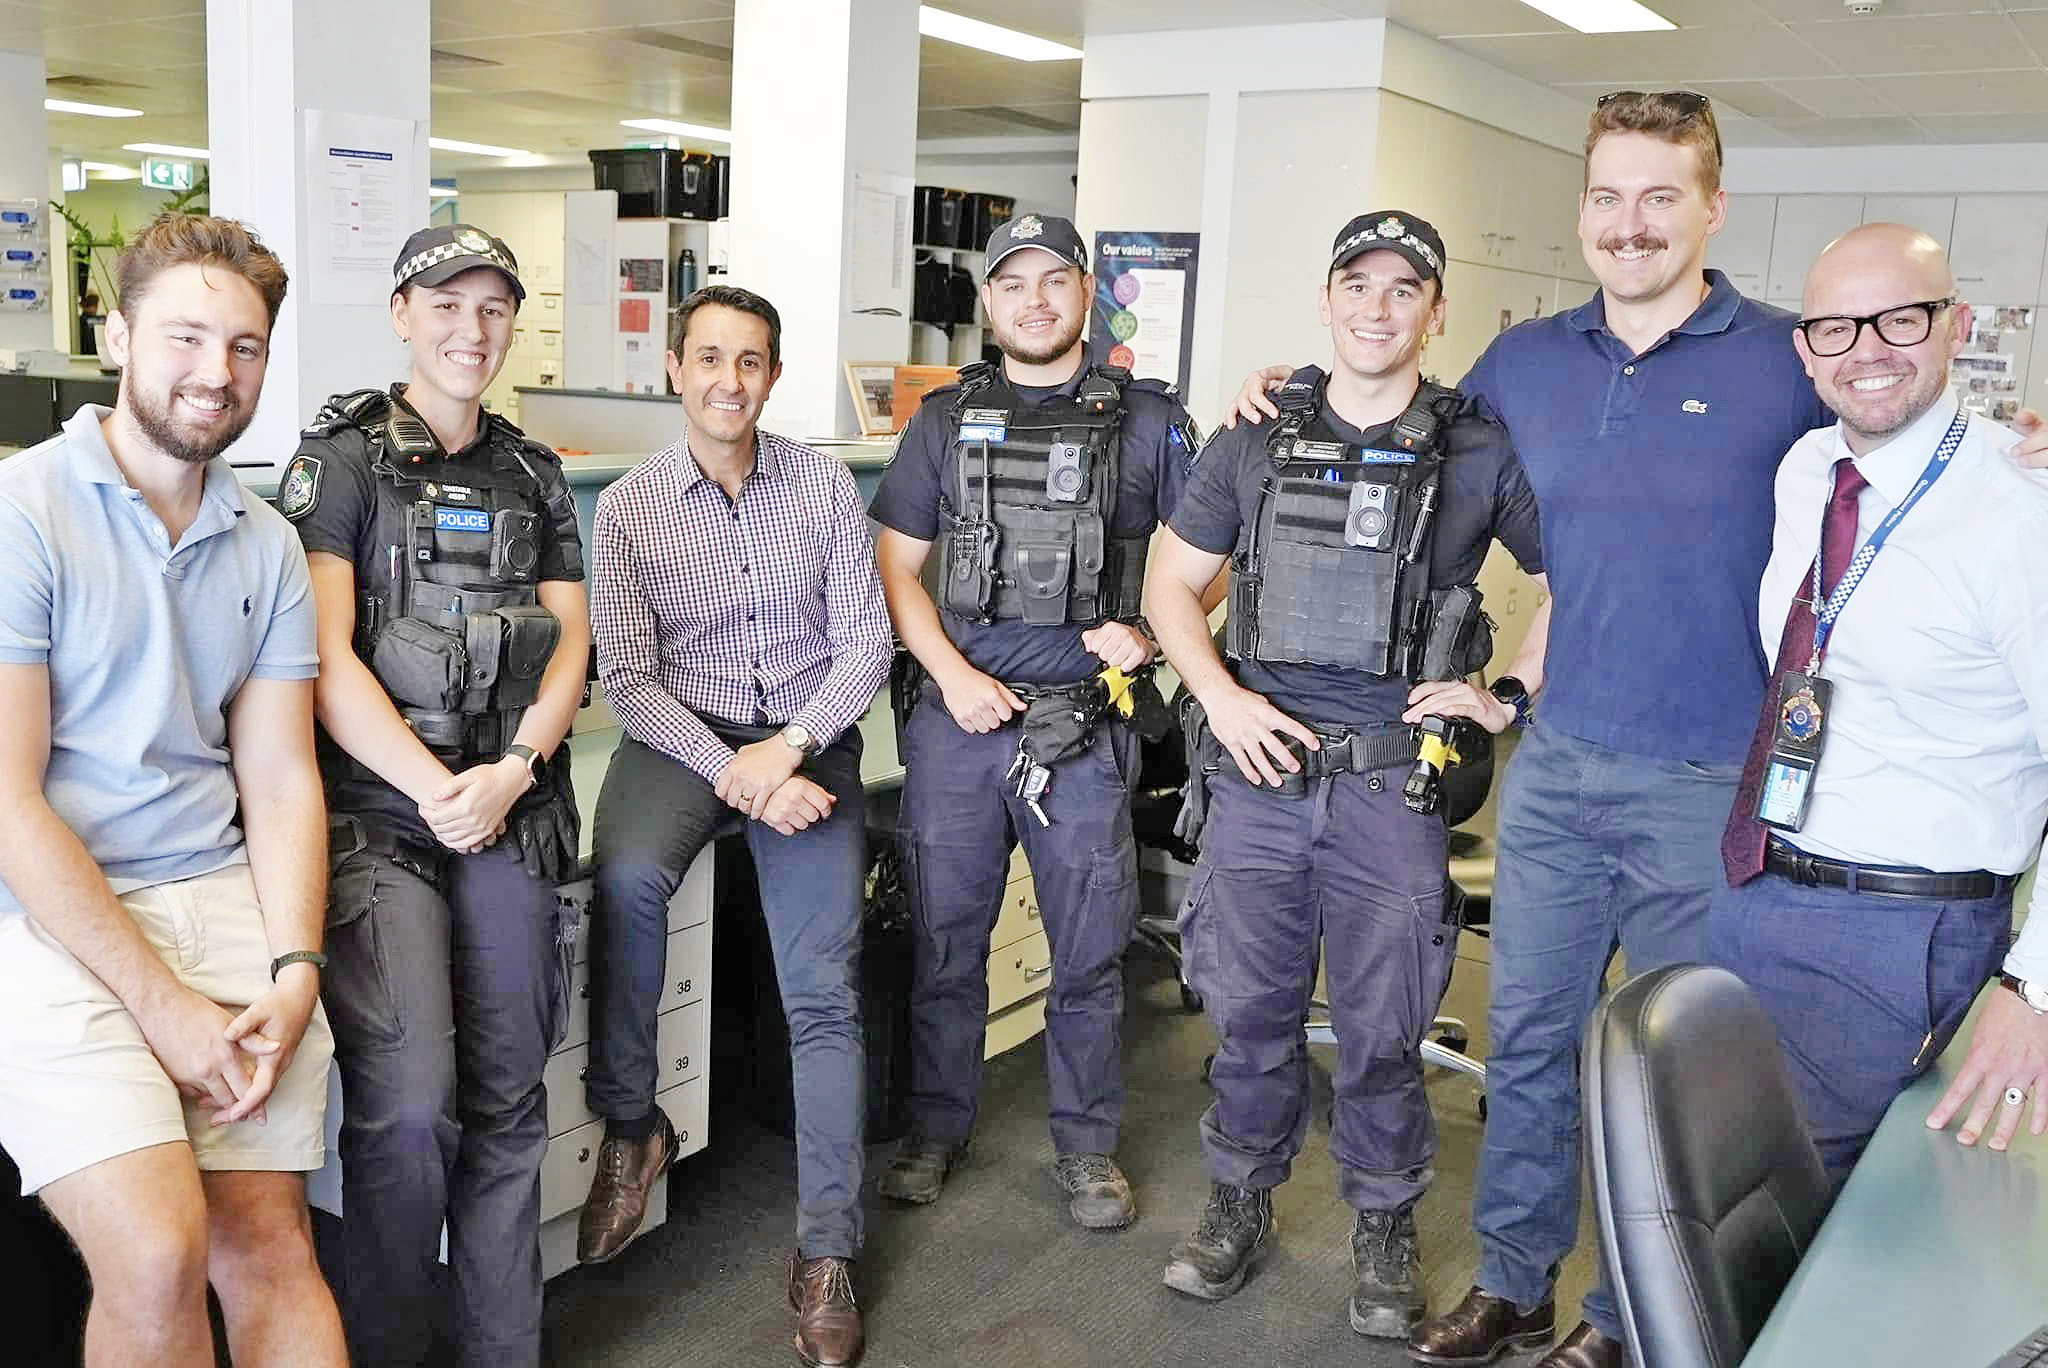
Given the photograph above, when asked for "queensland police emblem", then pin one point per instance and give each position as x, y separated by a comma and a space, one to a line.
1392, 228
1027, 227
1800, 718
300, 488
470, 240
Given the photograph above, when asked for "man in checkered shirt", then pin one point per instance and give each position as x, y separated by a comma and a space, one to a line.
740, 633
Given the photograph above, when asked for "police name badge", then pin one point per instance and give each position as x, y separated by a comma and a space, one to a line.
300, 488
984, 425
1800, 732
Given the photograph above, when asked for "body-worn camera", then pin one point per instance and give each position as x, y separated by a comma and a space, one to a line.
1066, 472
1370, 521
515, 546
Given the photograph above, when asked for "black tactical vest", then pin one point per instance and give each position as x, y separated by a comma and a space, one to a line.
447, 614
1334, 567
1028, 512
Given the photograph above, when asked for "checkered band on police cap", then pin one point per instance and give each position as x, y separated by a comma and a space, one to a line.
434, 255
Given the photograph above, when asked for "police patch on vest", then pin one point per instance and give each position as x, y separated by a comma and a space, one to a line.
984, 425
1377, 456
462, 519
300, 488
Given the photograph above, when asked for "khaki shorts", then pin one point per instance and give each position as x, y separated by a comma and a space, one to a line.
79, 1085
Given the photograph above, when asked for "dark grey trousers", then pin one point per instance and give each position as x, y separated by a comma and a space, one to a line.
654, 815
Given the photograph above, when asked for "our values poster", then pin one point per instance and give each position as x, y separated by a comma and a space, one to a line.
1144, 316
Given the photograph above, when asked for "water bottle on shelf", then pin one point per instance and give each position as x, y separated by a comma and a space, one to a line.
686, 274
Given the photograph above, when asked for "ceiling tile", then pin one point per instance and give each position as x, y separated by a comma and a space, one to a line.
1975, 92
1756, 98
1987, 128
1828, 132
1738, 130
1839, 97
1674, 58
1878, 46
1807, 11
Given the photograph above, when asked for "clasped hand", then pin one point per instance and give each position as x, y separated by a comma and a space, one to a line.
468, 812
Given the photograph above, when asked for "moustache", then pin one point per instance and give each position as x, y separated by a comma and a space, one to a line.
1642, 242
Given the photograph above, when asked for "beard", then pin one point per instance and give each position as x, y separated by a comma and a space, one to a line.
154, 421
1040, 353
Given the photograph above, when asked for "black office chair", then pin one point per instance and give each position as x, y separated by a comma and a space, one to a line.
1707, 1187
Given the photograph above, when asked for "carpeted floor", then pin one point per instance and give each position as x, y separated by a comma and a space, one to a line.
993, 1274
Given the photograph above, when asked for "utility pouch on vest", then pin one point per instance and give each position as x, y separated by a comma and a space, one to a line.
421, 666
1039, 558
484, 639
971, 567
1460, 635
1323, 602
530, 633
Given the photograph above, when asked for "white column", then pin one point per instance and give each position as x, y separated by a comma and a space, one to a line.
276, 70
823, 107
25, 175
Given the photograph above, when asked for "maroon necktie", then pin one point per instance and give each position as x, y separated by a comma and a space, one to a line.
1742, 842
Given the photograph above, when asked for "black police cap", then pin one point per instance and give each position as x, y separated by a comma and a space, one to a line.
433, 256
1046, 232
1391, 230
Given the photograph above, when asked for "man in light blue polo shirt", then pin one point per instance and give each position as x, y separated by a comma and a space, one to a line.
163, 1059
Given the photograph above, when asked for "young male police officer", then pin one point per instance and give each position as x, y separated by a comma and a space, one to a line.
1043, 481
1355, 527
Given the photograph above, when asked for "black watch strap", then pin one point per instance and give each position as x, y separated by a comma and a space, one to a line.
529, 756
312, 957
1515, 694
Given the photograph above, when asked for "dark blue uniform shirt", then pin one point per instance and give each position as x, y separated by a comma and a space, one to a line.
1155, 462
1654, 473
1484, 495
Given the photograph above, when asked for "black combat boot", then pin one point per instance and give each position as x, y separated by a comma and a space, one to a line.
1212, 1262
1387, 1301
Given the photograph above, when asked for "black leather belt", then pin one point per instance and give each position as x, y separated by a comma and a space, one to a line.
1813, 871
1357, 750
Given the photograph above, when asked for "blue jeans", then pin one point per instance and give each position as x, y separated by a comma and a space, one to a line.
1597, 849
1865, 989
1346, 868
654, 815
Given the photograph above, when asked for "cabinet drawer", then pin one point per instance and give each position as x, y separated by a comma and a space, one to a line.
1009, 1029
689, 1111
1020, 868
571, 1160
691, 905
1019, 915
681, 1040
564, 1079
688, 977
1018, 970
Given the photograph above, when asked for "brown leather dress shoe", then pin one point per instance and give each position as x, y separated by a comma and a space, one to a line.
1586, 1347
1479, 1330
828, 1328
626, 1169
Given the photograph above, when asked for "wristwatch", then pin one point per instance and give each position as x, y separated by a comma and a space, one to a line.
530, 756
798, 736
1515, 694
312, 957
2035, 995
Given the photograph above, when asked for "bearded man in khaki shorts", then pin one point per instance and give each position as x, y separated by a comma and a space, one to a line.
163, 1058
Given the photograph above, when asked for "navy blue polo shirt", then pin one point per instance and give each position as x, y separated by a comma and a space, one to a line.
1154, 465
1654, 475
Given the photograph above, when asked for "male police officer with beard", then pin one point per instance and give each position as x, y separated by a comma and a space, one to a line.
1042, 481
1355, 526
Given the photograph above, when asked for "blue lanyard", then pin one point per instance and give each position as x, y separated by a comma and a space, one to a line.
1859, 564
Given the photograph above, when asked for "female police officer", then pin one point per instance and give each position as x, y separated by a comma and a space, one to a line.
454, 634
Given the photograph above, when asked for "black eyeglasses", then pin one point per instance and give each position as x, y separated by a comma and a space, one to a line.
1689, 103
1904, 325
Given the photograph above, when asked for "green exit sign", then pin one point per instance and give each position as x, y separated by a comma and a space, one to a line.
160, 173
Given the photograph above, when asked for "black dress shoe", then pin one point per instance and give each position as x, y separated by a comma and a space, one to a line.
1586, 1347
1480, 1329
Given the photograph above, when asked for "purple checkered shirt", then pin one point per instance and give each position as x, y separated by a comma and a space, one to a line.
760, 610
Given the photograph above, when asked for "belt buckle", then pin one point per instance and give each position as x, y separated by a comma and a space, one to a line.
1354, 751
1806, 868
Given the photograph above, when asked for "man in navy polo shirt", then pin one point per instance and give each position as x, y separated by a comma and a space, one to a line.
1650, 421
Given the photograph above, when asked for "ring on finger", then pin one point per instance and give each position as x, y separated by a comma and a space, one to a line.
2015, 1097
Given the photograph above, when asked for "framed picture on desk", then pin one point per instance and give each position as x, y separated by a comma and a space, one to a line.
872, 384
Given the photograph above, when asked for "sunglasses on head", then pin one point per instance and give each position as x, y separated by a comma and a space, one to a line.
1686, 102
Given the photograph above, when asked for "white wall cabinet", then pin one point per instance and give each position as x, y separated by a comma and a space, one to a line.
1804, 225
1742, 249
1997, 247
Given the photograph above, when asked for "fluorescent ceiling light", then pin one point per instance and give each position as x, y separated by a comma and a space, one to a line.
1603, 16
167, 150
110, 171
958, 28
680, 130
480, 149
97, 111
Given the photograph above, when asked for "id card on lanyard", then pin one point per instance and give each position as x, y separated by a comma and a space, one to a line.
1804, 696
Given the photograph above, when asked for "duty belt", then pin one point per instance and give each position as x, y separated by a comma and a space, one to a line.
1813, 871
347, 835
1355, 750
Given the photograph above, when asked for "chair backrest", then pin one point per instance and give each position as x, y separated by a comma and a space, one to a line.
1707, 1186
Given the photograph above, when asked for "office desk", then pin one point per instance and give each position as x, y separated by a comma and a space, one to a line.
1933, 1255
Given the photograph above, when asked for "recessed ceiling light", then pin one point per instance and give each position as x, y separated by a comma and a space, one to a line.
680, 130
167, 150
97, 111
1603, 16
480, 149
958, 28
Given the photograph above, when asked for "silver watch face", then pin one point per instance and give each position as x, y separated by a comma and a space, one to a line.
797, 735
2035, 995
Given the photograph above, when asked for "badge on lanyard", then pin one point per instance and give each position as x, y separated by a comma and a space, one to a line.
1803, 701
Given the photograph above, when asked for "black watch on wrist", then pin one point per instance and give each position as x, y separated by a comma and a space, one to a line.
312, 957
530, 757
1513, 692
